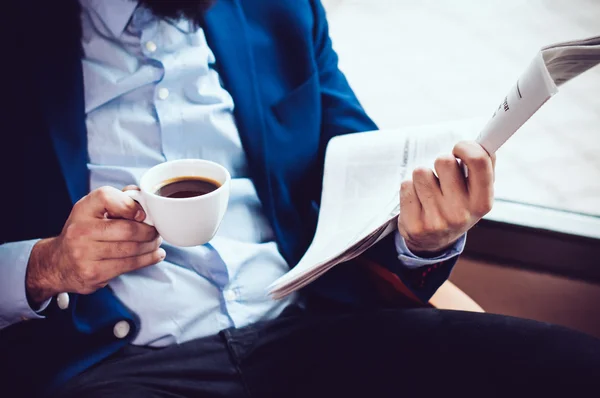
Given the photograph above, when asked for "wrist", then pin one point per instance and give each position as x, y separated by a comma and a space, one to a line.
39, 282
423, 252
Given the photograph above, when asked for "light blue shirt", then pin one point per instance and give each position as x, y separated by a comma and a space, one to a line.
152, 94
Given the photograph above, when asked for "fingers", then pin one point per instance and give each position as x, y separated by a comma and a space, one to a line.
481, 176
108, 230
479, 164
131, 188
122, 266
97, 274
435, 212
121, 250
112, 202
452, 180
415, 223
409, 200
410, 207
427, 189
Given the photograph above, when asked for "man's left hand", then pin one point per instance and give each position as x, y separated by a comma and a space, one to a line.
436, 211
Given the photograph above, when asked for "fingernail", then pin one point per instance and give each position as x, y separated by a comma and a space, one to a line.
162, 253
160, 240
139, 216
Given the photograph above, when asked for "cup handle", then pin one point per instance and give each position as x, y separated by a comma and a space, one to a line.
138, 197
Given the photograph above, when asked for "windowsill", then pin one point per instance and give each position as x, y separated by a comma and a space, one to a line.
541, 239
531, 216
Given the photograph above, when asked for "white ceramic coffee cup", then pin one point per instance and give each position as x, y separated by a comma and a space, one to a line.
184, 221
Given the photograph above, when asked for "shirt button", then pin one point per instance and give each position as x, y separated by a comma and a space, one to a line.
62, 300
151, 46
229, 295
121, 329
163, 93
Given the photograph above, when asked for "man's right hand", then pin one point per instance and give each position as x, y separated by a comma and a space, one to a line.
103, 238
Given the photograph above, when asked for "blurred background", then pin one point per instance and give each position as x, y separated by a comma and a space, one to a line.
421, 62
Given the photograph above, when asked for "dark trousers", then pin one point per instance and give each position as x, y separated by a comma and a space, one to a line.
390, 353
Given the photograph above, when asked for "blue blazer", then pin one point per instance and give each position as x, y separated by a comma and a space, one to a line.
276, 60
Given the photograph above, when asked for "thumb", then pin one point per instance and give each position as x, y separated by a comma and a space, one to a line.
112, 203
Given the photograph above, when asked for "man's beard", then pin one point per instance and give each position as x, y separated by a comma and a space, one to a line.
178, 9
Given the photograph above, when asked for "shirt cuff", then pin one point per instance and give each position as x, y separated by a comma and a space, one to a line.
14, 306
410, 260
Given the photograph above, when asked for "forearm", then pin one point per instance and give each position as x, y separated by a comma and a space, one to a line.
38, 282
14, 303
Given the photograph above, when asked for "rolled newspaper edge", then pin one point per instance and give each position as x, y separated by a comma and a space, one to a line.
533, 88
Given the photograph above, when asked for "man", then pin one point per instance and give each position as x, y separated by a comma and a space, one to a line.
116, 86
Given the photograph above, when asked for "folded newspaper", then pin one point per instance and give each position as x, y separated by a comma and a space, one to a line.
363, 171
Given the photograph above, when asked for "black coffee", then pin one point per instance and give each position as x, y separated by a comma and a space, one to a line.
186, 187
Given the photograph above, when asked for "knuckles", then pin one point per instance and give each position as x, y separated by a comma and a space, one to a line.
89, 274
406, 186
85, 277
78, 254
73, 232
409, 232
473, 154
79, 204
76, 232
445, 162
478, 161
435, 226
420, 174
459, 220
483, 206
104, 194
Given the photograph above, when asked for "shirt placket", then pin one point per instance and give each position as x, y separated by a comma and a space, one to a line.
163, 97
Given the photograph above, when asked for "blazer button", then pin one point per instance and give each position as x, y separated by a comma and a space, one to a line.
121, 329
62, 300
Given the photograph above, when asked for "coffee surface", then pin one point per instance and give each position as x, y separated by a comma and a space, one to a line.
186, 187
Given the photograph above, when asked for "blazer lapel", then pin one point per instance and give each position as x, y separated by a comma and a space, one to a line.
62, 97
227, 35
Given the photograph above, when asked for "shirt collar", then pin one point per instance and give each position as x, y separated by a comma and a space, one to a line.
115, 14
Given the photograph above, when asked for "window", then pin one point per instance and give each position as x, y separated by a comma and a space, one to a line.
423, 62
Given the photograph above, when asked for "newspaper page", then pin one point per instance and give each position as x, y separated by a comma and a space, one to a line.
363, 171
361, 198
